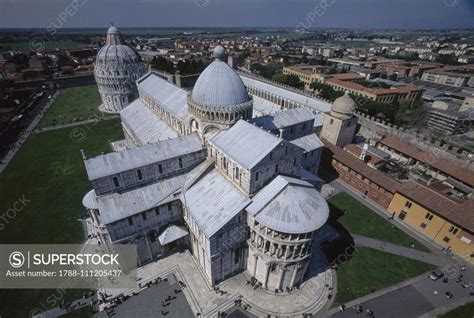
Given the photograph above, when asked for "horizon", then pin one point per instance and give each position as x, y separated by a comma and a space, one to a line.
306, 14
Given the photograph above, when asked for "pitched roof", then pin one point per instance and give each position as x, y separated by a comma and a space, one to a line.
213, 201
360, 167
116, 162
311, 102
460, 173
118, 206
284, 118
457, 212
171, 234
245, 143
144, 125
309, 142
167, 95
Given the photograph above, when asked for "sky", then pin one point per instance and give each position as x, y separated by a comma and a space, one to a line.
397, 14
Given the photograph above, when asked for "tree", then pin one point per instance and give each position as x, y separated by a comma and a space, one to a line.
326, 91
290, 80
162, 64
393, 77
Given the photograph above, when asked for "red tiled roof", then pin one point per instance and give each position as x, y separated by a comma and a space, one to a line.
375, 91
459, 213
360, 167
356, 150
460, 173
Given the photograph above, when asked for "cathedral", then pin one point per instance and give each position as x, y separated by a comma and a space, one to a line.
228, 170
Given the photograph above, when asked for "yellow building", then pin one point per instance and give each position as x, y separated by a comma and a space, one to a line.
307, 73
439, 218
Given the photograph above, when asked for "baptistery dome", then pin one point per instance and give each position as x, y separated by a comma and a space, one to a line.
117, 67
219, 95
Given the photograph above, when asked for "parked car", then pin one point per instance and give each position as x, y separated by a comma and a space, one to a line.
436, 275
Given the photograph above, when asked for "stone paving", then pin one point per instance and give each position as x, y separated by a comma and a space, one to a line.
203, 299
395, 249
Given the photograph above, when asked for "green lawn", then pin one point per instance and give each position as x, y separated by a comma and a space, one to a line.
369, 268
49, 174
465, 311
84, 312
359, 219
74, 104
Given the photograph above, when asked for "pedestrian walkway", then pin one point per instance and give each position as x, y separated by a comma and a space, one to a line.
77, 123
25, 134
399, 250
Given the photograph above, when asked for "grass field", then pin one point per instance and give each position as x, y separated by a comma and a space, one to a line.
74, 104
465, 311
370, 269
48, 175
359, 219
84, 312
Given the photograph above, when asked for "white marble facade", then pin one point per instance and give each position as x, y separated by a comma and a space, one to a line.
116, 69
198, 170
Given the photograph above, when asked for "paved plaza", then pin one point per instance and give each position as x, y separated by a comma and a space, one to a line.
165, 299
204, 300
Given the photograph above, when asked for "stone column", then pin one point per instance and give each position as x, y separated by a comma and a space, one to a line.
148, 246
280, 277
267, 274
293, 276
255, 266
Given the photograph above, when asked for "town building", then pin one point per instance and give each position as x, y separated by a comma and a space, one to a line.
401, 95
445, 116
440, 218
307, 73
431, 164
457, 76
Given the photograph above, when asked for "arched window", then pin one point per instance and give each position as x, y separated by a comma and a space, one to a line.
116, 182
237, 174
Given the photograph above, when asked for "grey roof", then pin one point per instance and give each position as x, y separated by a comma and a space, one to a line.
306, 175
265, 106
284, 118
219, 85
245, 143
115, 162
171, 234
318, 120
289, 205
311, 102
144, 124
116, 54
167, 95
308, 142
117, 206
213, 201
90, 200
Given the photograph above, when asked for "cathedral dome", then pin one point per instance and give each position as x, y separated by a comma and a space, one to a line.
343, 105
219, 85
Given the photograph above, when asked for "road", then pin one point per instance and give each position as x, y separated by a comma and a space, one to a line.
419, 295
